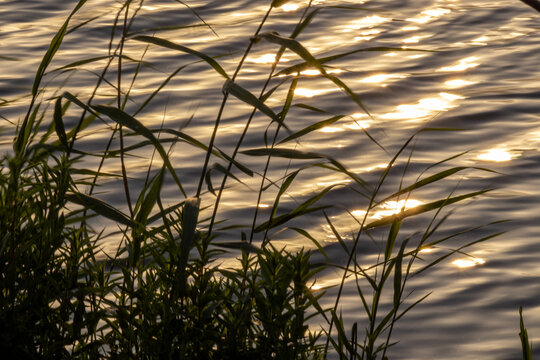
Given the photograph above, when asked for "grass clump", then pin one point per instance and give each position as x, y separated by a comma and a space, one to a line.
163, 292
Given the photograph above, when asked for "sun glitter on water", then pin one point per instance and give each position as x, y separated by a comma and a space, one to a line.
467, 263
497, 155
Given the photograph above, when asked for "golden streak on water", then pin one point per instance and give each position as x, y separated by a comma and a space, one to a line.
331, 129
310, 92
426, 250
375, 167
423, 108
311, 72
314, 72
482, 40
417, 56
467, 263
395, 207
366, 22
410, 28
336, 182
358, 125
315, 287
414, 39
450, 97
290, 7
266, 59
379, 78
498, 155
429, 15
462, 65
362, 38
370, 32
456, 83
264, 206
389, 208
359, 213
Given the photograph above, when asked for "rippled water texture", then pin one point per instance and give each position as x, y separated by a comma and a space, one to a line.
475, 68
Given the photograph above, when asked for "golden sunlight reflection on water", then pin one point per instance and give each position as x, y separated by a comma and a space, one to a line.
394, 207
266, 59
462, 65
389, 208
429, 15
305, 92
467, 263
366, 22
424, 107
497, 155
457, 83
380, 78
414, 39
290, 7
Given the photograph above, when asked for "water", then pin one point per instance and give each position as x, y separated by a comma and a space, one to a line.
477, 72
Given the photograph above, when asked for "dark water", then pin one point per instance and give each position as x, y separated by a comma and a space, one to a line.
477, 71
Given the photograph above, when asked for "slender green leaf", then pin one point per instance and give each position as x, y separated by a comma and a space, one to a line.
423, 208
294, 46
53, 48
59, 123
130, 122
311, 128
244, 95
392, 235
170, 45
305, 65
101, 208
285, 153
525, 345
429, 180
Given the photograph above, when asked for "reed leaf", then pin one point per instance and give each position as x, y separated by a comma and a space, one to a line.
101, 208
59, 123
294, 46
423, 208
526, 347
130, 122
190, 215
311, 128
244, 95
285, 153
170, 45
297, 68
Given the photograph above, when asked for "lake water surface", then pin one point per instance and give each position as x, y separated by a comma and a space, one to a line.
475, 68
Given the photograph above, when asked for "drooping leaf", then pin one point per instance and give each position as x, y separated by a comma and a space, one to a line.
423, 208
170, 45
244, 95
285, 153
294, 46
100, 207
311, 128
130, 122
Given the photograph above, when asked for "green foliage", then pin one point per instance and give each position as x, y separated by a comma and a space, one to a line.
526, 347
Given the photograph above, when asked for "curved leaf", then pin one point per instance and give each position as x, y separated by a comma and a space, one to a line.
170, 45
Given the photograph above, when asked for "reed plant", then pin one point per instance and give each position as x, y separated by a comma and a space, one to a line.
163, 292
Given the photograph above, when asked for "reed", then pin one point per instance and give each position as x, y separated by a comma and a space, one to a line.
162, 293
